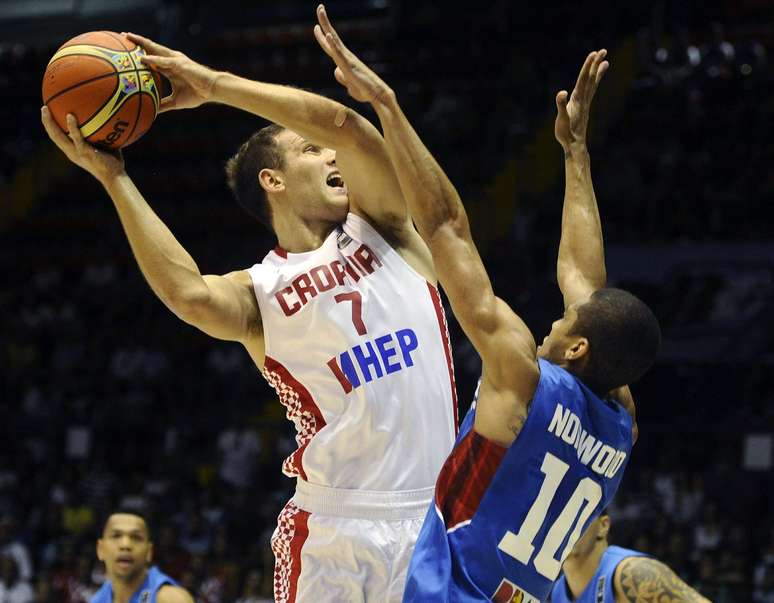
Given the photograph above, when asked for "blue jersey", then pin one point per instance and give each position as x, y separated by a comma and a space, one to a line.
504, 519
145, 594
600, 588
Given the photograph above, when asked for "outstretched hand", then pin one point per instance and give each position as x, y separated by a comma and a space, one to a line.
100, 163
192, 83
361, 82
572, 113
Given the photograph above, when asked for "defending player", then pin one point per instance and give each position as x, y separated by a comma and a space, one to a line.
365, 376
542, 452
126, 550
596, 572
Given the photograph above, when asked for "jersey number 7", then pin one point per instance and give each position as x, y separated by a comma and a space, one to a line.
520, 546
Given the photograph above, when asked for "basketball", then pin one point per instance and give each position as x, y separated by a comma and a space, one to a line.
99, 78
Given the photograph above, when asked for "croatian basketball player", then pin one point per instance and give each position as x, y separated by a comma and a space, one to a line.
342, 317
543, 449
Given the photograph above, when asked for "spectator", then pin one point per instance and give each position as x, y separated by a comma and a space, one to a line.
12, 588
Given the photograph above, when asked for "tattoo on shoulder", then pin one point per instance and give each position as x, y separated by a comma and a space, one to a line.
517, 424
645, 580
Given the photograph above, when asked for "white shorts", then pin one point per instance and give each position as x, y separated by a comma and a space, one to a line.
346, 546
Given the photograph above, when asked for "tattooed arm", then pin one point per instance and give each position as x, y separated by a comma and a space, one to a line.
645, 580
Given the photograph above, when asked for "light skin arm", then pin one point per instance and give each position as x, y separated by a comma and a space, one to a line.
580, 268
222, 306
361, 155
643, 580
502, 339
173, 594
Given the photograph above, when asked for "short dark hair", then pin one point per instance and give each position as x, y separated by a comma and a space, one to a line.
258, 152
134, 512
624, 338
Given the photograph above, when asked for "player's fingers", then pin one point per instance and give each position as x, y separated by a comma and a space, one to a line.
603, 67
325, 22
167, 103
320, 37
331, 37
340, 54
149, 45
54, 131
561, 104
74, 132
584, 72
159, 62
594, 70
339, 75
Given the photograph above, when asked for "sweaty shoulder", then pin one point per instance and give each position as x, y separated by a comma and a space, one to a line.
173, 594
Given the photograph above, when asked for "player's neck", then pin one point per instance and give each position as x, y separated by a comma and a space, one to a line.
578, 571
295, 235
123, 590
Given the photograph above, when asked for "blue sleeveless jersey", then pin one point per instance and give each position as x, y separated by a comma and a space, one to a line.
503, 519
145, 594
600, 588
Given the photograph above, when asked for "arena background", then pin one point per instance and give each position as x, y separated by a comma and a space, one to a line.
109, 400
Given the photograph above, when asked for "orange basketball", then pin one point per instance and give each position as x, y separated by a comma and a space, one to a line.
99, 78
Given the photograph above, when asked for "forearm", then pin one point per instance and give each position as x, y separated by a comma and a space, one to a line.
581, 248
316, 118
167, 266
432, 200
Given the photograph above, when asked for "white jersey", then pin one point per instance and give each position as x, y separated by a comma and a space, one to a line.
358, 351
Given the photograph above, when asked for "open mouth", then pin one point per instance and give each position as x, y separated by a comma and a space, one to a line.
334, 180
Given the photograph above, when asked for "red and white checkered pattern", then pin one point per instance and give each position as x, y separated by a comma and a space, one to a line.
301, 409
286, 545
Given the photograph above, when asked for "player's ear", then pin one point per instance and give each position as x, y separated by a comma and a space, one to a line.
604, 526
149, 554
100, 555
578, 348
272, 181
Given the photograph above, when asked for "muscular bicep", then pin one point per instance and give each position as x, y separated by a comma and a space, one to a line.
226, 308
642, 580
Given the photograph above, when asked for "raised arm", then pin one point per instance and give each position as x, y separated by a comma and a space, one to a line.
361, 156
505, 343
580, 267
222, 306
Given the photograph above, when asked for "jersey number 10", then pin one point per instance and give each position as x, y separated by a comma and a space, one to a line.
520, 545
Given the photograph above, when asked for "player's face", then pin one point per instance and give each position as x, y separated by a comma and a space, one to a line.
596, 532
125, 547
313, 183
558, 340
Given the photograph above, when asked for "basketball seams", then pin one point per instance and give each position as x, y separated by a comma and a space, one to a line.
119, 40
108, 124
89, 81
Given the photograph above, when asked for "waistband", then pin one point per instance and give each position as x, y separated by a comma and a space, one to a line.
362, 504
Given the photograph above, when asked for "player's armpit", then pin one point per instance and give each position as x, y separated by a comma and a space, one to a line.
173, 594
646, 580
225, 308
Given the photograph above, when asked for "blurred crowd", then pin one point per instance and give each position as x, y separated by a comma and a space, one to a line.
108, 401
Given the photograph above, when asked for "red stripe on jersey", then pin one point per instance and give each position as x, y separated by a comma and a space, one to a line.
281, 252
441, 315
301, 409
465, 477
286, 544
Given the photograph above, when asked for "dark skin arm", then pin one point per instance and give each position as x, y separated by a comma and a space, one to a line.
646, 580
580, 266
